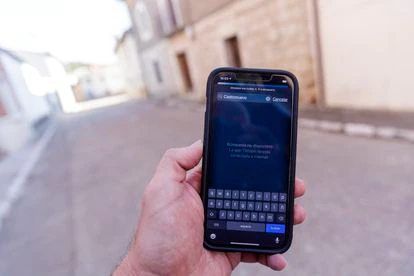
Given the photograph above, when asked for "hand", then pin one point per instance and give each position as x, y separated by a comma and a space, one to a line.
169, 235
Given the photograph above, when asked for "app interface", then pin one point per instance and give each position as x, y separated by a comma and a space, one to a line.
248, 169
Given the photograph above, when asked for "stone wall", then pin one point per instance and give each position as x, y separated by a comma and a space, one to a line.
271, 34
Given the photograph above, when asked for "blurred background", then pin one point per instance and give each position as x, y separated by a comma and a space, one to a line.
93, 92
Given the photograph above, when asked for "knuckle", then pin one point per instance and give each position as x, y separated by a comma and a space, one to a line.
170, 153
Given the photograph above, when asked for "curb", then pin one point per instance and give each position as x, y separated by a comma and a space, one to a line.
16, 188
359, 130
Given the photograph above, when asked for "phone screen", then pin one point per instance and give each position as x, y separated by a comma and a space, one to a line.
248, 166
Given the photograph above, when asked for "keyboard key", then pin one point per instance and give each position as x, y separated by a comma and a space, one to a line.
243, 195
211, 214
250, 195
258, 206
216, 224
266, 196
280, 218
211, 203
242, 205
259, 196
219, 193
227, 204
211, 193
235, 205
219, 203
266, 206
275, 228
282, 207
262, 217
269, 217
238, 215
230, 215
282, 197
246, 216
275, 197
246, 226
222, 214
250, 205
273, 207
254, 216
235, 195
227, 193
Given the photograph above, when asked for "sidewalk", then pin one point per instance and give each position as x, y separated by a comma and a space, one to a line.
365, 123
15, 168
400, 120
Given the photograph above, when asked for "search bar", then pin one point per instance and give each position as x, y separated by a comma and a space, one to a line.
244, 97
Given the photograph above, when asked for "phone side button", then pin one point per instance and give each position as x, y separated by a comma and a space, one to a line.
275, 228
216, 224
246, 226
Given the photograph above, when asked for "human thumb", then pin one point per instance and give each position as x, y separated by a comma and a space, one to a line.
177, 161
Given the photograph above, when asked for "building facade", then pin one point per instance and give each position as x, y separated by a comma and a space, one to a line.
198, 36
130, 64
23, 101
367, 52
98, 81
150, 36
341, 51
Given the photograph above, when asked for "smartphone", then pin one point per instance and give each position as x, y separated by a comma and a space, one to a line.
249, 160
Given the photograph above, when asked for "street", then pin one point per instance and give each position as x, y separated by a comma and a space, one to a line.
80, 206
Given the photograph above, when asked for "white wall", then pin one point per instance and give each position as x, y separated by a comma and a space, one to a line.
61, 84
22, 105
368, 53
32, 107
101, 81
130, 64
158, 52
7, 97
113, 79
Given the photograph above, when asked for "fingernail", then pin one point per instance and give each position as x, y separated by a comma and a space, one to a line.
196, 143
281, 262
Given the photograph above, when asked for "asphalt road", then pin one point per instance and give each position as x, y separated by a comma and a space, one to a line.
80, 205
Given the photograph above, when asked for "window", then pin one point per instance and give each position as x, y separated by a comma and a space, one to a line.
175, 8
170, 12
143, 21
232, 51
157, 71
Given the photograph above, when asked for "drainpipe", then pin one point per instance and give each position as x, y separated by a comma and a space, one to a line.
315, 37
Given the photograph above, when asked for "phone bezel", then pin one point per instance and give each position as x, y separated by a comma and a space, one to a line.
292, 165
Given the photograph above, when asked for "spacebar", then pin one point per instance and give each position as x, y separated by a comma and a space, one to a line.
246, 226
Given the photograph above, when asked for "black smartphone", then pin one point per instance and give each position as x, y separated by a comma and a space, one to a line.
249, 160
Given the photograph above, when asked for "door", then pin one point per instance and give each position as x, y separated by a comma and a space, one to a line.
2, 109
185, 72
233, 53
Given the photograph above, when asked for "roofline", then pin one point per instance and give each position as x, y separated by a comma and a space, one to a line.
12, 55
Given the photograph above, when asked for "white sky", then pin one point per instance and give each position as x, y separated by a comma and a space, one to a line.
71, 30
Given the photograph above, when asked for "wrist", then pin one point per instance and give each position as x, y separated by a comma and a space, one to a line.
129, 266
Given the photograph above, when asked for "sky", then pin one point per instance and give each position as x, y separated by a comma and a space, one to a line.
71, 30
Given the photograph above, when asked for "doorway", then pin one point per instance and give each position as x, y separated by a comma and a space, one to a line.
185, 72
2, 109
233, 53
